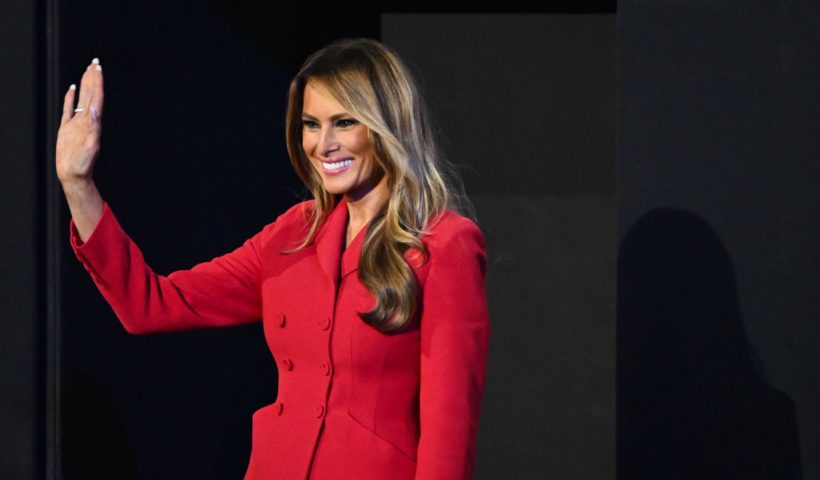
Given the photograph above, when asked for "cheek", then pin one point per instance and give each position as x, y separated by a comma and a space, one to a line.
308, 144
359, 146
358, 142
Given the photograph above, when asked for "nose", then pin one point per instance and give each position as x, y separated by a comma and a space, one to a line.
327, 141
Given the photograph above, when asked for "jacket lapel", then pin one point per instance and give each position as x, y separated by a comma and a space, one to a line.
350, 259
329, 241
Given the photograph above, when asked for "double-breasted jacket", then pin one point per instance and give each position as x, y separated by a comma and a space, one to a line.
353, 403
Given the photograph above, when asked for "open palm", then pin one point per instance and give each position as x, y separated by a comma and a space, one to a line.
78, 140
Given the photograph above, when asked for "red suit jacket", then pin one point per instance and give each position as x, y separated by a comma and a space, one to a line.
353, 403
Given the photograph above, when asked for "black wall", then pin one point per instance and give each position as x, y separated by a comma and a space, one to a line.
21, 295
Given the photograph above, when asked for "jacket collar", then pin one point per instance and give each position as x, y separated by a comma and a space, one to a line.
329, 241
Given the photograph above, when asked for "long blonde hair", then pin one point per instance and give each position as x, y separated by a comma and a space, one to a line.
370, 81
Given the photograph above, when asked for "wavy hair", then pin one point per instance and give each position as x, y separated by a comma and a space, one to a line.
371, 82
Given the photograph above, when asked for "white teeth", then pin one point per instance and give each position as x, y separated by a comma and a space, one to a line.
337, 165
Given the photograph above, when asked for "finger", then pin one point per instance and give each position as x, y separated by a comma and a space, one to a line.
92, 109
85, 82
68, 105
97, 94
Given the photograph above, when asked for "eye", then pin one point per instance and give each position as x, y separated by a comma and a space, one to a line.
346, 122
309, 124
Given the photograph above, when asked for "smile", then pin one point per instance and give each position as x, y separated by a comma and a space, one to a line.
338, 166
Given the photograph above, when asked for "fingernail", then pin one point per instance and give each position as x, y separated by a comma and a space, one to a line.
72, 87
96, 61
94, 113
99, 67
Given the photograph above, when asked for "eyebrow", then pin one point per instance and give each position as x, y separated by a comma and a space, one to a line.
334, 117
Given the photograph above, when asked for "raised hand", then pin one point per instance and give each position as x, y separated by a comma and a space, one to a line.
78, 140
78, 144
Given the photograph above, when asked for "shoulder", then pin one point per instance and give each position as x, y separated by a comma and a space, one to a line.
456, 255
453, 243
450, 230
293, 221
298, 213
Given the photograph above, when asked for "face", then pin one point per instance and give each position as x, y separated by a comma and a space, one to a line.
337, 146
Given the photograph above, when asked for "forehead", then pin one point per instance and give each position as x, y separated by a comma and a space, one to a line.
318, 101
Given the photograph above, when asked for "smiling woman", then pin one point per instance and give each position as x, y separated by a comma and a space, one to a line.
339, 148
408, 184
372, 294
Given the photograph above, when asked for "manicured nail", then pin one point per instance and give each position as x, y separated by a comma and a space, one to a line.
94, 113
99, 67
72, 87
96, 61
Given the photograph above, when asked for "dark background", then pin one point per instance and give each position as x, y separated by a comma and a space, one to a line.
717, 339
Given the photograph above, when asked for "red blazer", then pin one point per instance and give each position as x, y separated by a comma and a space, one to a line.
353, 403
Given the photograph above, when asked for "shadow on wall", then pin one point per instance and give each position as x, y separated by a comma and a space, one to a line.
692, 400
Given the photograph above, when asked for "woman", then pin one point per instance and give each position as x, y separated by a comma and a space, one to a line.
381, 371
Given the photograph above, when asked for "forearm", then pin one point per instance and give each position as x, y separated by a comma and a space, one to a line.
85, 204
221, 292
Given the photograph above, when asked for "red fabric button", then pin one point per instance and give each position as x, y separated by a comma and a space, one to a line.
325, 368
324, 324
278, 408
318, 411
287, 363
282, 319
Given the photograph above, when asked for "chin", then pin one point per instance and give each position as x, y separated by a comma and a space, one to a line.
335, 189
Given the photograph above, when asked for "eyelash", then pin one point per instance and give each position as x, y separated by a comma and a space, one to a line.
342, 123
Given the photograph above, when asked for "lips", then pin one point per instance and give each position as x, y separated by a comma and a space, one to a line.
334, 166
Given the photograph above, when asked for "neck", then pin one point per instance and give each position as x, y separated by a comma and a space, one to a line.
362, 209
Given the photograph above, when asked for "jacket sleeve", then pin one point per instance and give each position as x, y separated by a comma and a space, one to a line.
454, 344
224, 291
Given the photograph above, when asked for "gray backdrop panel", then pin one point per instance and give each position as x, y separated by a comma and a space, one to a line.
719, 113
525, 105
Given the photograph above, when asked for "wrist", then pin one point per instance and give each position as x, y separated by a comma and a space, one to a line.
77, 186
